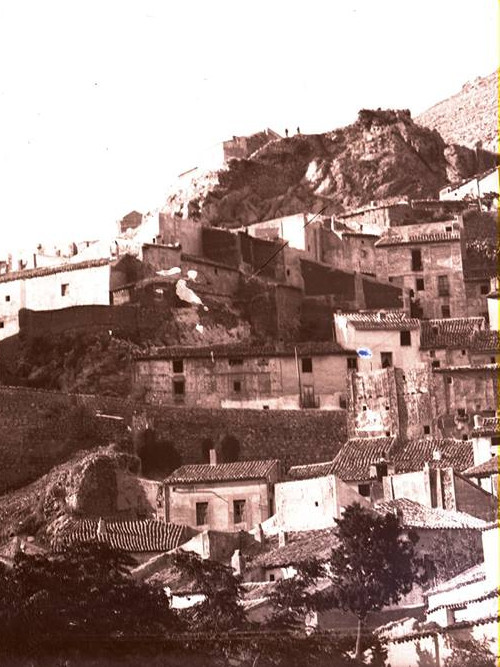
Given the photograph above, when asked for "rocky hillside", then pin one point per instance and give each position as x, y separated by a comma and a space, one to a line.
469, 116
383, 155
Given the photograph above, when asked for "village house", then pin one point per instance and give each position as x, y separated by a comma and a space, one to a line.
427, 259
230, 497
382, 339
457, 341
482, 188
51, 288
280, 376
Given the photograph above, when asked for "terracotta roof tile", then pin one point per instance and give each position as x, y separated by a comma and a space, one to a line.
299, 547
393, 320
50, 270
320, 348
438, 237
454, 332
312, 470
353, 461
485, 341
222, 472
489, 426
416, 515
136, 536
485, 469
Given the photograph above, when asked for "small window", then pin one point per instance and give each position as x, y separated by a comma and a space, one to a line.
461, 412
427, 429
201, 514
416, 260
443, 286
237, 386
436, 364
465, 436
288, 272
484, 289
2, 324
307, 365
216, 271
364, 408
420, 284
449, 380
493, 360
447, 229
316, 504
179, 388
432, 353
65, 289
412, 294
178, 365
352, 363
7, 297
386, 359
343, 403
388, 434
364, 490
239, 511
272, 577
265, 407
405, 338
236, 362
445, 312
390, 279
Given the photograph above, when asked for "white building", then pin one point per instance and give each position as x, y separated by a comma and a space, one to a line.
477, 187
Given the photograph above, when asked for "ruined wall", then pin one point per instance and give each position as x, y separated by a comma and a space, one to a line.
160, 256
183, 231
40, 428
221, 246
373, 408
416, 405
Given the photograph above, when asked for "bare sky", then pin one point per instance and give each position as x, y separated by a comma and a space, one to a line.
103, 102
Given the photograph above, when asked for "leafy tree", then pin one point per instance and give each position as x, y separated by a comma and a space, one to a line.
454, 553
221, 610
372, 565
471, 652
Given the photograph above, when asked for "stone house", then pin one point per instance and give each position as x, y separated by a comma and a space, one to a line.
52, 288
222, 496
457, 341
382, 339
426, 259
282, 376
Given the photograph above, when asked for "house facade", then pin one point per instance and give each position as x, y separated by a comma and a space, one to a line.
287, 376
221, 496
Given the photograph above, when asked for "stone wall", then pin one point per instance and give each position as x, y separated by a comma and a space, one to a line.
38, 429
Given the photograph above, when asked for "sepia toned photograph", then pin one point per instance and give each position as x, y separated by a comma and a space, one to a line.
249, 349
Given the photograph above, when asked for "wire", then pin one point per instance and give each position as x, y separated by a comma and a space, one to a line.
256, 273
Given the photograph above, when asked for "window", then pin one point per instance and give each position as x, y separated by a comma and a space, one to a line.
179, 388
420, 284
443, 286
178, 365
390, 279
432, 353
236, 362
416, 260
364, 490
461, 412
7, 297
445, 311
449, 380
65, 289
436, 364
307, 365
465, 436
237, 386
412, 294
239, 511
272, 577
447, 229
201, 514
2, 324
484, 289
352, 363
427, 429
386, 359
343, 403
493, 360
405, 338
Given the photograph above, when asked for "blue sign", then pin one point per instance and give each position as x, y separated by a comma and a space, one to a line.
364, 352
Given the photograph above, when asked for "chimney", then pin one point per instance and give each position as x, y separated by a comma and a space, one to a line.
281, 539
436, 455
101, 527
478, 421
237, 563
213, 457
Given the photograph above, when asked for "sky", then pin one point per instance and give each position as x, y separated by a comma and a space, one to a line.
104, 102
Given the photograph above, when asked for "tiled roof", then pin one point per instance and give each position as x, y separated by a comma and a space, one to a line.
50, 270
491, 368
413, 454
470, 576
222, 472
485, 341
135, 536
393, 320
312, 470
489, 426
454, 332
439, 237
299, 547
415, 515
485, 469
320, 348
353, 461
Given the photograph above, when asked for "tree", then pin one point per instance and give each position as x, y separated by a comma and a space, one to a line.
372, 566
455, 552
221, 610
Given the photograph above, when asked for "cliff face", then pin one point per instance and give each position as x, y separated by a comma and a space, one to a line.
383, 155
469, 117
